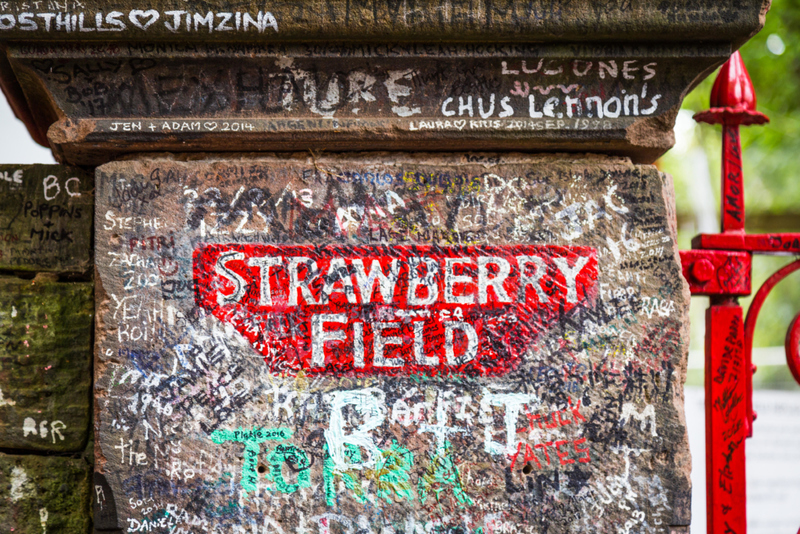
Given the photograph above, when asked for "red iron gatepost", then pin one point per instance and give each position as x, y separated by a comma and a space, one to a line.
719, 266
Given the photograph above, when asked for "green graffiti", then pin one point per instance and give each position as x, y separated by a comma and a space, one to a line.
442, 475
350, 479
252, 440
298, 461
328, 480
393, 473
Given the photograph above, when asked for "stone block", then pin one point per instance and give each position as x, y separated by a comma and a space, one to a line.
45, 218
383, 21
602, 98
45, 364
485, 75
41, 494
390, 343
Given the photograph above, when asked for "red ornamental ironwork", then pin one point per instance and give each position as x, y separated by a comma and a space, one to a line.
720, 266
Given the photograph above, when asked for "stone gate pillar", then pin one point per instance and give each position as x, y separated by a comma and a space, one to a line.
388, 267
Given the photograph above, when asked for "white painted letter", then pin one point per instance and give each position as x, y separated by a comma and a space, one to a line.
312, 272
366, 282
512, 402
532, 108
533, 280
264, 263
419, 346
450, 280
239, 283
571, 275
496, 283
29, 427
319, 336
49, 183
371, 405
447, 112
379, 345
338, 272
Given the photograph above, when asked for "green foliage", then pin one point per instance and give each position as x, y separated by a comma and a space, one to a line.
770, 169
770, 150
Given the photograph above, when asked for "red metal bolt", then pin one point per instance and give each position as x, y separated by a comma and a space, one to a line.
702, 271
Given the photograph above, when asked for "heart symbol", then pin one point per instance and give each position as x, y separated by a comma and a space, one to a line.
137, 14
460, 124
210, 126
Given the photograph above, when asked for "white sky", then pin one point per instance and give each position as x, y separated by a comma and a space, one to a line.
16, 145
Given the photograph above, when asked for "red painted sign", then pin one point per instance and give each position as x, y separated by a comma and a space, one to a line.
393, 309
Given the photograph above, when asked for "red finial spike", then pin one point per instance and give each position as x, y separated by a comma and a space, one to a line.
733, 98
733, 88
733, 104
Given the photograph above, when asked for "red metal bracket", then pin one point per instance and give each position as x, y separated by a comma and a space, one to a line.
717, 272
760, 243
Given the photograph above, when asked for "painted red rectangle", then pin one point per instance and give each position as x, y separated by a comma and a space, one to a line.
726, 418
472, 310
